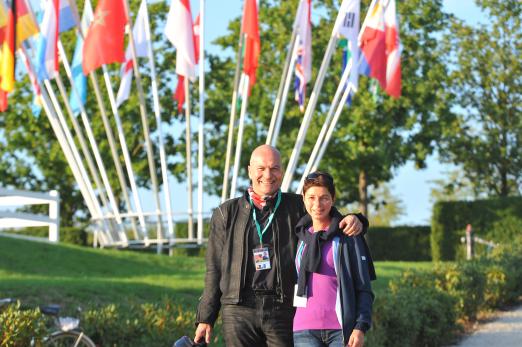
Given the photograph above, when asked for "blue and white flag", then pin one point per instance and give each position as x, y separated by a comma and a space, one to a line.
47, 48
303, 67
79, 79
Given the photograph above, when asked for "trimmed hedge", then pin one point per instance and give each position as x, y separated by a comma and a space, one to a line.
498, 220
406, 243
71, 235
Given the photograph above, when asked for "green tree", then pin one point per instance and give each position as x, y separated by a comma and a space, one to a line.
374, 135
486, 137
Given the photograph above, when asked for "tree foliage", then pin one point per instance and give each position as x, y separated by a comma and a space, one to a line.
486, 137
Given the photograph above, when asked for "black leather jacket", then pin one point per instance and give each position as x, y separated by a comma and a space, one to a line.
227, 253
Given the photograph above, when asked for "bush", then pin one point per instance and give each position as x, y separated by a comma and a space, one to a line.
70, 235
400, 243
19, 327
499, 220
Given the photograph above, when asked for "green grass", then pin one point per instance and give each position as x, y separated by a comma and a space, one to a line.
38, 273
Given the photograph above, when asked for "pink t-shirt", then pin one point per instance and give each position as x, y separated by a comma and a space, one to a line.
319, 312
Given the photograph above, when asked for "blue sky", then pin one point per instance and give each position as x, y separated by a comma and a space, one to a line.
411, 186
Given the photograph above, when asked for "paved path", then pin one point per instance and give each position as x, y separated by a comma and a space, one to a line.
505, 330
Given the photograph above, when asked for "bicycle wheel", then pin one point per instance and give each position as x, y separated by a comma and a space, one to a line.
69, 339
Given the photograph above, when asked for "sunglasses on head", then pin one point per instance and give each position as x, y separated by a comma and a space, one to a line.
315, 175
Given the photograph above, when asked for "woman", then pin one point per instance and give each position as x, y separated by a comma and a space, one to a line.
334, 296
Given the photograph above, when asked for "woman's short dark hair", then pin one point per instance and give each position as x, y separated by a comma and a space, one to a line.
319, 179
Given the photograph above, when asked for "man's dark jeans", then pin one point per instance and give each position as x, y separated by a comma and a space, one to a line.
260, 321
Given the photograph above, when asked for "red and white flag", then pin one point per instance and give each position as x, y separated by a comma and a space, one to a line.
393, 50
141, 42
252, 50
180, 32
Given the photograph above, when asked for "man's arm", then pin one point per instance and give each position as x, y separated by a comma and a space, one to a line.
209, 304
354, 224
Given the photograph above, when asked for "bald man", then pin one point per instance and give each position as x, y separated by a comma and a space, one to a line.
250, 272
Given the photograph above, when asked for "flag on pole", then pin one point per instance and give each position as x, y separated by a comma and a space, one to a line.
141, 42
7, 64
252, 44
79, 79
347, 27
47, 63
104, 42
66, 16
37, 99
25, 24
303, 67
196, 38
373, 44
393, 51
179, 30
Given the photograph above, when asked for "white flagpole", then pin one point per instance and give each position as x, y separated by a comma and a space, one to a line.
310, 108
106, 124
244, 103
90, 137
281, 109
331, 129
157, 114
287, 70
233, 108
125, 151
201, 145
146, 131
188, 147
326, 124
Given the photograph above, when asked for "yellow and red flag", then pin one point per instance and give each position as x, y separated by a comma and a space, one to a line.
7, 62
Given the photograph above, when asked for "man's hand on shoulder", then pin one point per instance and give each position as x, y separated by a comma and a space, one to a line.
351, 225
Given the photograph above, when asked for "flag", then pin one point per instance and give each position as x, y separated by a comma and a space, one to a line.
393, 51
7, 63
141, 42
25, 24
79, 79
252, 43
66, 16
104, 42
196, 38
37, 100
47, 49
179, 31
372, 44
3, 24
347, 27
303, 67
179, 93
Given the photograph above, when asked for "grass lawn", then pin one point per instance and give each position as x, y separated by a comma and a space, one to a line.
38, 273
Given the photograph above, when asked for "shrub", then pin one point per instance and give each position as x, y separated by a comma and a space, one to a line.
498, 220
19, 327
407, 243
71, 235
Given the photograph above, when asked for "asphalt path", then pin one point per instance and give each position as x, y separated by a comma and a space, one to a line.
504, 330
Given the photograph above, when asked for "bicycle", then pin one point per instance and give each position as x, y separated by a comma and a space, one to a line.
68, 333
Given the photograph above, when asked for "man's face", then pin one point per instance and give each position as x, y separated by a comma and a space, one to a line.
265, 172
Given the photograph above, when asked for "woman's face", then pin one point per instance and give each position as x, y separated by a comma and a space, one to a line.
318, 202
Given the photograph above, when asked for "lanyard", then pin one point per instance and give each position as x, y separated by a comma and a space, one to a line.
260, 232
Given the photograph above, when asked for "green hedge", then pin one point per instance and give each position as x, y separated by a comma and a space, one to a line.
426, 308
406, 243
498, 220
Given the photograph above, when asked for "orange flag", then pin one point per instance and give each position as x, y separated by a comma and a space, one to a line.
104, 43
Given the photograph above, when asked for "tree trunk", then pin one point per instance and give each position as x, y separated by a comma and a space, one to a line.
363, 193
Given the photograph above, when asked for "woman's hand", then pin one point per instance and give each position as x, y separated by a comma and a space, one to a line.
356, 338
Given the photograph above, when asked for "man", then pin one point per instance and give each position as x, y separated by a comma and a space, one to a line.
250, 272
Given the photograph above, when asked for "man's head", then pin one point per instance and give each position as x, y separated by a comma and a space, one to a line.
265, 170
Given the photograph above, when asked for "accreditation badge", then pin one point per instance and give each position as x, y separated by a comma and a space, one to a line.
261, 258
